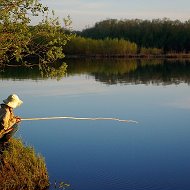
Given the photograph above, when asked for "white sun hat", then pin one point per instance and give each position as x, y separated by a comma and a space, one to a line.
13, 101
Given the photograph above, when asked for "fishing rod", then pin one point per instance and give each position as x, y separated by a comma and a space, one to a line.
79, 118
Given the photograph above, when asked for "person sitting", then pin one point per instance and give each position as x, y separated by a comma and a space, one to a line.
8, 121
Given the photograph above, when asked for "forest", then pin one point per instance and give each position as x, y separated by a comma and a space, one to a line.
165, 34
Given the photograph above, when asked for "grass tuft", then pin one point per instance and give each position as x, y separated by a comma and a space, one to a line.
21, 168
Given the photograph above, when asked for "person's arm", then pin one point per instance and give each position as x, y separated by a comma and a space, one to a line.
18, 119
13, 120
7, 121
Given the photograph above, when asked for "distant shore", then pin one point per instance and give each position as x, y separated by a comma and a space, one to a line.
138, 56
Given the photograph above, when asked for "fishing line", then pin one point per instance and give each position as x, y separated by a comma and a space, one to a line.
79, 118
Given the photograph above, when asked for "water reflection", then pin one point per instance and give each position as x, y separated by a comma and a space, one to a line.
134, 71
42, 71
108, 71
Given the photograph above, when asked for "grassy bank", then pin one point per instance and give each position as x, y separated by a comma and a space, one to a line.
21, 168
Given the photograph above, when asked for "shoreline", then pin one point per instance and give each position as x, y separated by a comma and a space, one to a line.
131, 56
103, 57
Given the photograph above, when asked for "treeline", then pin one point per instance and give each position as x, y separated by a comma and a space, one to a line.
170, 36
88, 47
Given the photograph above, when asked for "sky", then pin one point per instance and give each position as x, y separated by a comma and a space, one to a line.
85, 13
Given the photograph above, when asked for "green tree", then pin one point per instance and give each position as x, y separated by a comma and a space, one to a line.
19, 41
107, 48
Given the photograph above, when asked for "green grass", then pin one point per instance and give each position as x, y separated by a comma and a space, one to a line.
22, 169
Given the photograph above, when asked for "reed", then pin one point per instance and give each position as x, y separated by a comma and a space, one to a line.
21, 168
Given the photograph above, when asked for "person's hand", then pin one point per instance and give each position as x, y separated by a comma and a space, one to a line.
18, 119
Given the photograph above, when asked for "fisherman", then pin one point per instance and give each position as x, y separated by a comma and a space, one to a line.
8, 121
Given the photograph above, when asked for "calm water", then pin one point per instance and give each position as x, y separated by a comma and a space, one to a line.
108, 155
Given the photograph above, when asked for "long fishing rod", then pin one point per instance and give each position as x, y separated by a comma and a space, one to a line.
79, 118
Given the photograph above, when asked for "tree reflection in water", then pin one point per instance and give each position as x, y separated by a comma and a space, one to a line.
134, 71
109, 71
35, 72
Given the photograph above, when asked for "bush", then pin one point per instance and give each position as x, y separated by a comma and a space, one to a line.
21, 168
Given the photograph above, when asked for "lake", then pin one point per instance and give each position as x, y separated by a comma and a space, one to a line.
109, 155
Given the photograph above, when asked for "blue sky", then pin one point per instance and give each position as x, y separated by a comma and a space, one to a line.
85, 13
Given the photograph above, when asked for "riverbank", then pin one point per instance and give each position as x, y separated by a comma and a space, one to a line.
133, 56
22, 168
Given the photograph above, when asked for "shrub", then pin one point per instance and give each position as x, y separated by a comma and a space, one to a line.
21, 168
